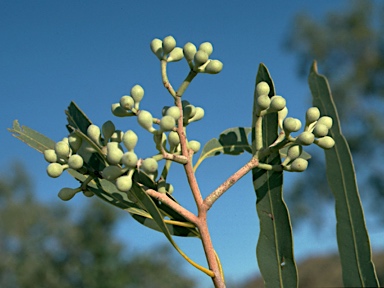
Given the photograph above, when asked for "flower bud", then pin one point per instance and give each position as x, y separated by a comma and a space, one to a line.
167, 123
277, 103
62, 149
93, 132
66, 194
194, 145
129, 159
312, 115
291, 125
262, 88
145, 119
75, 162
294, 151
189, 51
325, 142
50, 155
174, 112
169, 43
130, 140
325, 120
54, 170
156, 47
114, 153
198, 115
263, 102
320, 130
149, 165
213, 67
127, 102
124, 183
306, 138
206, 47
299, 165
137, 93
200, 58
111, 172
175, 55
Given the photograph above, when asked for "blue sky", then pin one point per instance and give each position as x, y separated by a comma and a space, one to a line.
93, 52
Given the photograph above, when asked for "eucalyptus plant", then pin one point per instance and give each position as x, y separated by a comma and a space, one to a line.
104, 162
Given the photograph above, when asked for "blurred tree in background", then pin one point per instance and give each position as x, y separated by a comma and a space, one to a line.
349, 48
43, 245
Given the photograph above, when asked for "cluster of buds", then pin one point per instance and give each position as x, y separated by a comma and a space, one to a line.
316, 129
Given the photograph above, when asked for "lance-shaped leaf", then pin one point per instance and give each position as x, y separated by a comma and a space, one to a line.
352, 236
232, 141
77, 118
31, 137
275, 245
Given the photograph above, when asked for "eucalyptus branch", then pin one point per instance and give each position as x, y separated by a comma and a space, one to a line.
211, 198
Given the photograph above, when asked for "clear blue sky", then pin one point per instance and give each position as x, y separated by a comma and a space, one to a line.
93, 52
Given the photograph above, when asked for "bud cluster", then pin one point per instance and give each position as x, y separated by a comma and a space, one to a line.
316, 128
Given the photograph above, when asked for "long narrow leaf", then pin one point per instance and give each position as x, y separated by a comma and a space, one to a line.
352, 236
31, 137
275, 245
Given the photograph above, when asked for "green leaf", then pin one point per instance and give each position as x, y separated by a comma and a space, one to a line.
31, 137
352, 236
274, 249
77, 118
232, 141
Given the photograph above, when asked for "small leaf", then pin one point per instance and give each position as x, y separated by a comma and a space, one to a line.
233, 141
77, 118
31, 137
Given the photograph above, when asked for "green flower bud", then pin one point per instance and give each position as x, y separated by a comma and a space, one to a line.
88, 193
206, 47
169, 43
127, 102
173, 139
156, 47
200, 58
294, 151
137, 93
62, 149
175, 55
189, 51
111, 172
263, 102
325, 142
108, 129
66, 194
299, 165
74, 141
325, 120
50, 155
167, 123
130, 140
320, 130
306, 138
124, 183
312, 115
145, 120
114, 153
277, 103
262, 88
75, 162
117, 136
198, 115
291, 125
174, 112
129, 159
93, 132
118, 111
194, 145
54, 170
149, 165
213, 67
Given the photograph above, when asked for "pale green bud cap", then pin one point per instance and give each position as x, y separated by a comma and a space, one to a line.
114, 153
325, 120
127, 102
312, 115
156, 47
213, 67
198, 115
299, 165
201, 57
137, 93
325, 142
54, 170
206, 47
175, 55
320, 130
277, 103
291, 124
169, 43
130, 140
174, 112
262, 88
189, 111
145, 119
189, 51
194, 145
306, 138
124, 183
118, 111
263, 102
75, 162
167, 123
62, 149
50, 155
129, 159
94, 133
66, 194
173, 138
149, 165
294, 151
